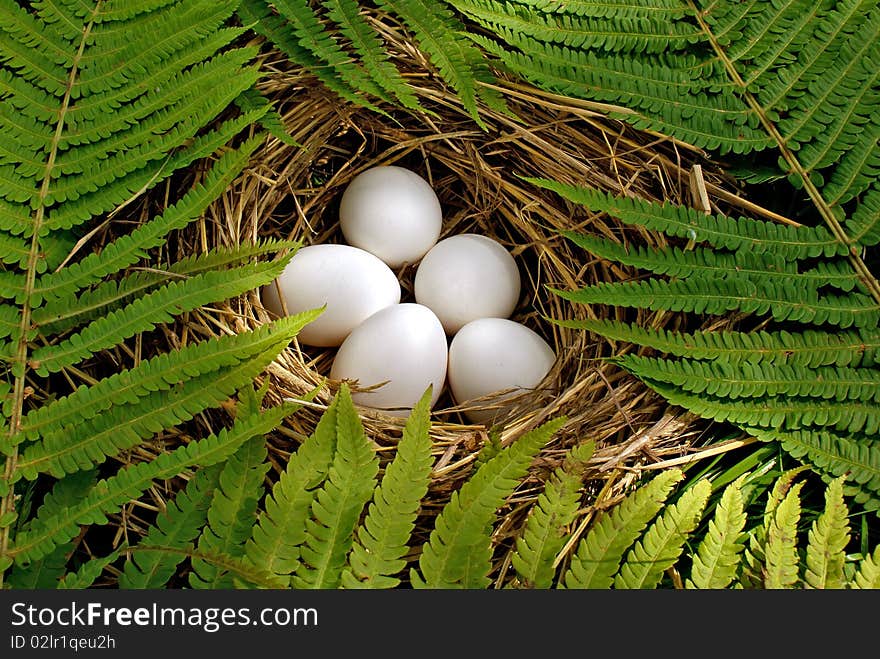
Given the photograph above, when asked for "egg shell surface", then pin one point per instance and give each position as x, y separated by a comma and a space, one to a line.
465, 277
403, 344
490, 355
391, 212
353, 283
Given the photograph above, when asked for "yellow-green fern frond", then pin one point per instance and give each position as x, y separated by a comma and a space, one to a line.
383, 538
458, 551
544, 532
599, 554
828, 539
663, 542
780, 550
178, 526
716, 561
231, 513
337, 506
868, 576
280, 531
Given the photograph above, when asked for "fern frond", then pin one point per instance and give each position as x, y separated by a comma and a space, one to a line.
69, 312
43, 573
828, 539
779, 412
745, 380
868, 575
124, 426
130, 248
382, 541
598, 556
159, 373
177, 527
637, 34
368, 45
836, 453
715, 563
713, 264
864, 223
47, 530
733, 233
460, 63
663, 542
232, 512
157, 307
784, 300
239, 570
780, 550
338, 504
280, 530
543, 534
87, 573
457, 553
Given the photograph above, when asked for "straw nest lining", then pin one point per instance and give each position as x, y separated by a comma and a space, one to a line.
293, 192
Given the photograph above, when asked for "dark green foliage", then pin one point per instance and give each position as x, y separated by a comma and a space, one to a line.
99, 102
334, 40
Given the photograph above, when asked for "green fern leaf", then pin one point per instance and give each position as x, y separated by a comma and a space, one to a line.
543, 534
755, 553
868, 576
46, 571
663, 542
69, 312
160, 373
87, 573
809, 348
721, 231
828, 539
460, 63
779, 412
781, 566
368, 45
280, 531
46, 531
232, 512
338, 504
457, 553
744, 380
131, 247
146, 312
784, 301
43, 573
124, 426
599, 554
177, 527
383, 538
709, 263
714, 565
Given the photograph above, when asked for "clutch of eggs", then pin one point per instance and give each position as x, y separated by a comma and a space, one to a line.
466, 286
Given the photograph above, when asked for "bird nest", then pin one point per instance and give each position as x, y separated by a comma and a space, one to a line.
292, 191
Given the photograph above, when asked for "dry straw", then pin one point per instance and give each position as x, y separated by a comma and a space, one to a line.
293, 192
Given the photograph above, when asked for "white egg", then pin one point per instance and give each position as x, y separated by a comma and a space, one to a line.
492, 355
353, 284
391, 212
465, 277
403, 346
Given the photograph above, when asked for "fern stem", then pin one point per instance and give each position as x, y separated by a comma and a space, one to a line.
7, 503
870, 282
